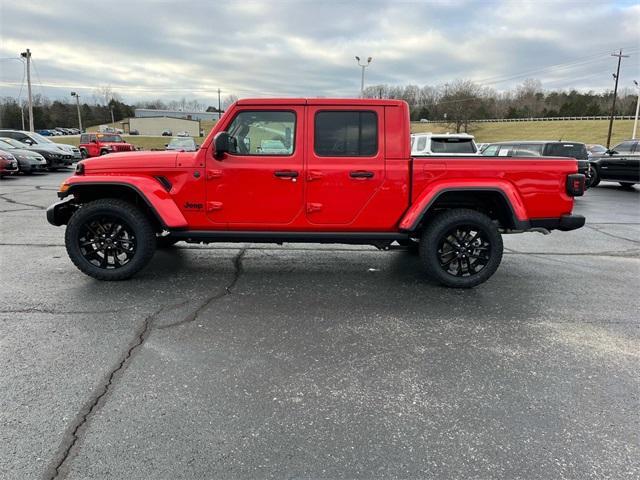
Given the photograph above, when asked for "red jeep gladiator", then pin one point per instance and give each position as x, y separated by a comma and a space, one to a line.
95, 144
312, 170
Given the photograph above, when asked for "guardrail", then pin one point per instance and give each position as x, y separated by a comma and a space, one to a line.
535, 119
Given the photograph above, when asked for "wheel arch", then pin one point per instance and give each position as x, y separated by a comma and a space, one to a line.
492, 201
149, 195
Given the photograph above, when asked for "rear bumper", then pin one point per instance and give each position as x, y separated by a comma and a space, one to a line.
565, 223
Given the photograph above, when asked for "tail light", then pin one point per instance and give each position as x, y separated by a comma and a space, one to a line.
575, 184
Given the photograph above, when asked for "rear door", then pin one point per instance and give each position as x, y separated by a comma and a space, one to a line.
345, 162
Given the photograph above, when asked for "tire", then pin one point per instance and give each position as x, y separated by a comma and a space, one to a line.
166, 241
84, 153
103, 152
627, 185
110, 225
595, 178
480, 250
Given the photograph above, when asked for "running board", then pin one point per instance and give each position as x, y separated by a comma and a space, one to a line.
357, 238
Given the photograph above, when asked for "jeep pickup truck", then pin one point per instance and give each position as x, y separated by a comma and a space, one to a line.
318, 171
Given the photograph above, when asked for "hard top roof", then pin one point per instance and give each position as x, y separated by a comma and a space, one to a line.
321, 101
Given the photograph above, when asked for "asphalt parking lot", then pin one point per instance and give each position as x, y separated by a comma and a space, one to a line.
252, 361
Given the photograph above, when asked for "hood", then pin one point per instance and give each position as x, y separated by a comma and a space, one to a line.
8, 156
48, 147
66, 147
130, 161
23, 152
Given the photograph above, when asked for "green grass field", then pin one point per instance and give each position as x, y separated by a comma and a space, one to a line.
587, 131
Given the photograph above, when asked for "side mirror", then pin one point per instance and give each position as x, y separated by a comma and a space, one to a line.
28, 141
611, 152
223, 143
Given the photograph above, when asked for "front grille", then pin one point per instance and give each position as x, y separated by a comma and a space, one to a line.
121, 148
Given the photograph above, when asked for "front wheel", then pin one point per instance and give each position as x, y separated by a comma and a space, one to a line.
594, 179
110, 239
461, 248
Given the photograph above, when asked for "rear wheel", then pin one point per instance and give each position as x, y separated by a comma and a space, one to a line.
461, 248
84, 153
110, 239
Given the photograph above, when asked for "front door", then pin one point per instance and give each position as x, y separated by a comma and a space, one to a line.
345, 162
259, 184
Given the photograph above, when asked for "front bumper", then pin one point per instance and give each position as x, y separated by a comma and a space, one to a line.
60, 212
565, 223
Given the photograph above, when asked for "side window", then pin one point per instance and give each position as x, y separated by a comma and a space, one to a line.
506, 150
346, 134
624, 147
422, 143
263, 132
491, 150
84, 138
530, 150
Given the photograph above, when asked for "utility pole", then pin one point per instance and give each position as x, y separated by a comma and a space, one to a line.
363, 66
635, 123
219, 111
27, 55
75, 94
615, 94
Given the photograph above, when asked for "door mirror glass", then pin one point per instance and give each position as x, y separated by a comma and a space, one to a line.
28, 141
223, 143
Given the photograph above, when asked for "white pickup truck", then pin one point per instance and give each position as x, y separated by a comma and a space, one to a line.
461, 144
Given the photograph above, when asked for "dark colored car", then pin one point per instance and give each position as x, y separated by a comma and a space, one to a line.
36, 140
530, 148
167, 133
29, 161
8, 164
619, 164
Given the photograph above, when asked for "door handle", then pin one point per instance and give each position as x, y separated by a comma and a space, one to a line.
286, 174
361, 174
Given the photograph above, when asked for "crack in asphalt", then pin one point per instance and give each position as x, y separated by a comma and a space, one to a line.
613, 235
15, 202
228, 289
73, 432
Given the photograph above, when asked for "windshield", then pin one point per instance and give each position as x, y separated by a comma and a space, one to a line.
182, 142
110, 138
574, 150
39, 138
597, 149
452, 145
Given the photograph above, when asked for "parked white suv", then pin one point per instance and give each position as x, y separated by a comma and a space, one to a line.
461, 144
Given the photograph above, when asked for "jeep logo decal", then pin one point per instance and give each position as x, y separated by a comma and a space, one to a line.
193, 206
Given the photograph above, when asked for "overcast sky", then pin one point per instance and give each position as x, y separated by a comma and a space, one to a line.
169, 50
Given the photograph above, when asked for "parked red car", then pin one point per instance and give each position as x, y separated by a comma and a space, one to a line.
96, 144
312, 170
8, 164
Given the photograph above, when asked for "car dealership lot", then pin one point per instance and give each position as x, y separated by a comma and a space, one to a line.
325, 361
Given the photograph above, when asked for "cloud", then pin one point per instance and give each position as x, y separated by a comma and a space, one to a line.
160, 49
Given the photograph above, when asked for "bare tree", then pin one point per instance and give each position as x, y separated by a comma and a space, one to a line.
228, 100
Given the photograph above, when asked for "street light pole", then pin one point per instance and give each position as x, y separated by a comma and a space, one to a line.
615, 94
635, 123
27, 55
363, 66
75, 94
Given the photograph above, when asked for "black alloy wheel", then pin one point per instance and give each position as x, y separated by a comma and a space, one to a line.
107, 242
461, 248
110, 239
464, 251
